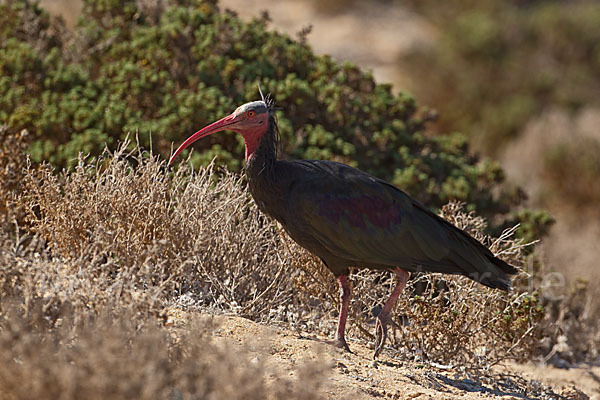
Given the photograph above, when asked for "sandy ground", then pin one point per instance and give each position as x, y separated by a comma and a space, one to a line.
356, 376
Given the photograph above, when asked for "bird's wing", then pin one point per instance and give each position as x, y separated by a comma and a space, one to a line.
361, 218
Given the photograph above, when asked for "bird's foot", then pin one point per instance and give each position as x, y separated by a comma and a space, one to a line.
381, 332
340, 343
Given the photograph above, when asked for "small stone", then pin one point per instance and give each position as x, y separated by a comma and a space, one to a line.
572, 393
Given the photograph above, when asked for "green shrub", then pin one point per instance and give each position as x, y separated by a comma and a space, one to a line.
168, 70
498, 64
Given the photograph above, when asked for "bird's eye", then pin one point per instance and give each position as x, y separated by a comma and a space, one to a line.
251, 114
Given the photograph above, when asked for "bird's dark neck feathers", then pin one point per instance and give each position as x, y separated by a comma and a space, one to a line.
261, 163
260, 168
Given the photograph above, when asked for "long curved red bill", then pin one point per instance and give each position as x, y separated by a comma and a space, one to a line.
217, 126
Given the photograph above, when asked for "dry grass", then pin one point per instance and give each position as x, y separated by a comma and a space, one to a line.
122, 238
12, 164
122, 358
85, 284
179, 233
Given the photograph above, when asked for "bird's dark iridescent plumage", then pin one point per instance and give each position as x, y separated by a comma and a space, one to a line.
349, 218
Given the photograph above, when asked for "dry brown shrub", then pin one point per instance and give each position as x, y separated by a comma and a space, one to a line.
187, 234
125, 232
118, 357
571, 325
12, 165
36, 280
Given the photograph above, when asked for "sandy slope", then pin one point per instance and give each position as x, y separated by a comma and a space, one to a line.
357, 376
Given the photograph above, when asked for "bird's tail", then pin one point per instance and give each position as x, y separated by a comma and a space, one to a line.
498, 279
467, 256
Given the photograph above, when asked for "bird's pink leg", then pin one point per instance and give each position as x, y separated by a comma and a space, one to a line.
340, 338
384, 316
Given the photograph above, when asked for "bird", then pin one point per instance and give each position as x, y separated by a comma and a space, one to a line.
351, 219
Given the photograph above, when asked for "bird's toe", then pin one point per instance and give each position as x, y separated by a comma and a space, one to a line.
380, 333
340, 343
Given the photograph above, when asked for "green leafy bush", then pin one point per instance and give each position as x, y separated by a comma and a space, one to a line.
167, 70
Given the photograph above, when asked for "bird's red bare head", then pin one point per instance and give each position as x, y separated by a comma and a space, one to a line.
251, 120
